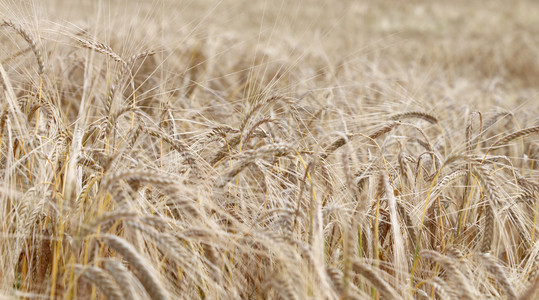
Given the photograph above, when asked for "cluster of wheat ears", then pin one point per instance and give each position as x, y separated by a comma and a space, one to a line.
117, 185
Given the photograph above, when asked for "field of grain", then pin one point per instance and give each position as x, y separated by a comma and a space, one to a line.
257, 149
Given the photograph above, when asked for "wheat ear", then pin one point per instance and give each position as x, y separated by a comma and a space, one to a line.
530, 292
103, 49
491, 189
456, 277
385, 289
122, 277
151, 283
415, 114
104, 281
495, 269
30, 40
515, 135
106, 50
282, 287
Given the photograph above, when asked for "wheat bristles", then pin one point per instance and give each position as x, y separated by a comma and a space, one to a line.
178, 145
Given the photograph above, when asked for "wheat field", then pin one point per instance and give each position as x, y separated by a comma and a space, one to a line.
263, 149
